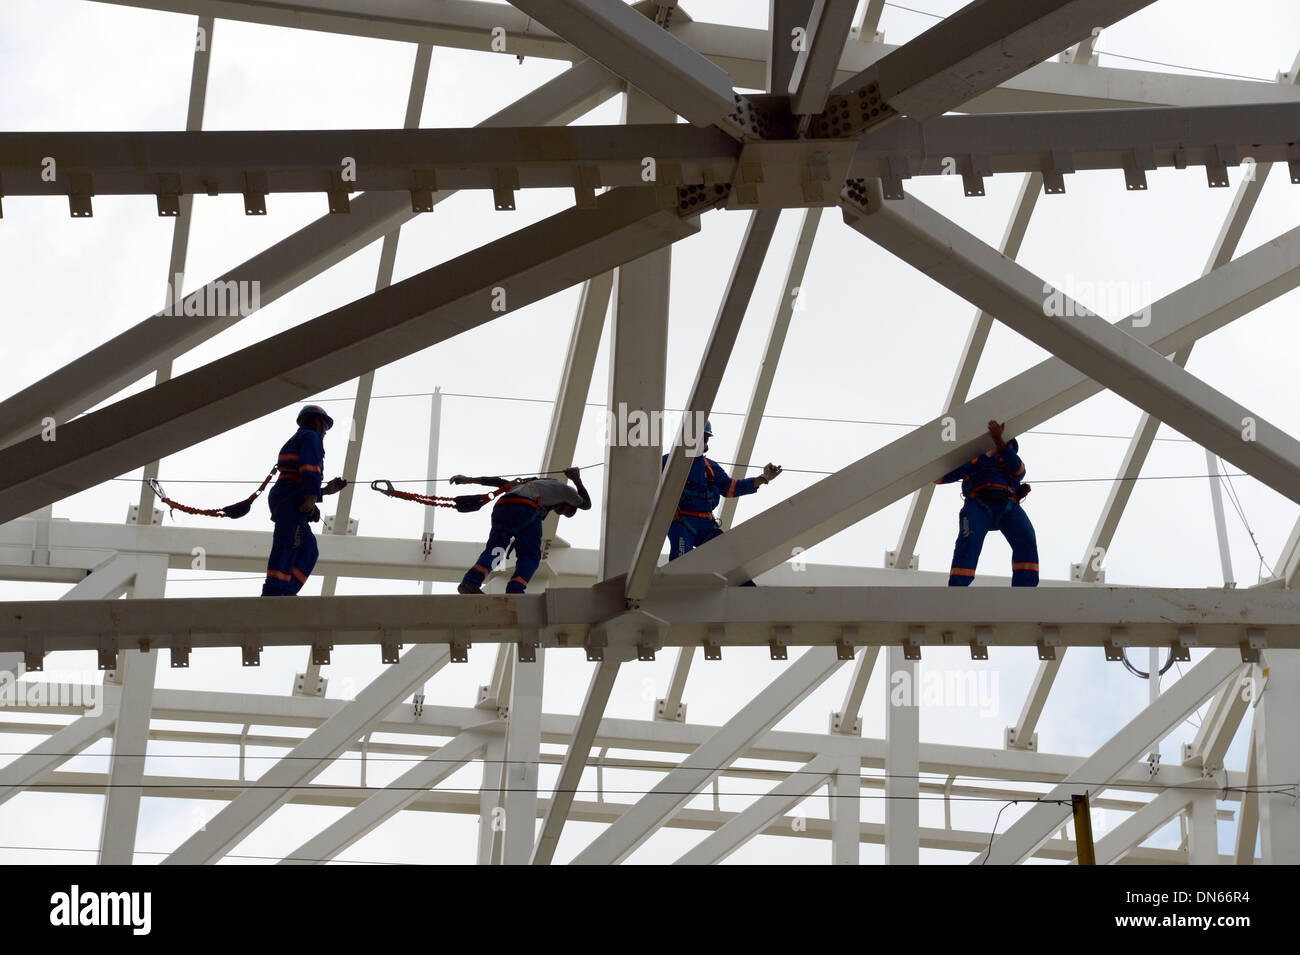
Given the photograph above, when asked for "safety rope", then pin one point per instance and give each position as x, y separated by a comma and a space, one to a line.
465, 503
233, 511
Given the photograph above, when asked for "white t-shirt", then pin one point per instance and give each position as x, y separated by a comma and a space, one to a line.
548, 492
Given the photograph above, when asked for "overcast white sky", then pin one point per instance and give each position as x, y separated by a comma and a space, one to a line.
877, 343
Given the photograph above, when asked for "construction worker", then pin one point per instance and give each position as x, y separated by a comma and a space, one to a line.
992, 487
293, 501
519, 514
694, 523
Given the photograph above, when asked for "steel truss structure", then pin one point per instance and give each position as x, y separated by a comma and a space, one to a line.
845, 121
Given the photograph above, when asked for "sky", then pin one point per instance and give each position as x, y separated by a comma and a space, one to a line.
870, 354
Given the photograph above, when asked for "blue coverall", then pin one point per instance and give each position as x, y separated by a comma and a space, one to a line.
293, 545
522, 519
694, 524
989, 485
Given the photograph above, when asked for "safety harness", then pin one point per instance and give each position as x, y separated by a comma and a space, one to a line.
235, 511
708, 516
465, 503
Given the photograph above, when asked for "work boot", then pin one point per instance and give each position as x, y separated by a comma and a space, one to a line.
467, 588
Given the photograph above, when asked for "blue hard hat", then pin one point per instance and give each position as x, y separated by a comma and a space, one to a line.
708, 429
309, 411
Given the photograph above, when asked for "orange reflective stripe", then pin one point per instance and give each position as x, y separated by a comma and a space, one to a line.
522, 500
300, 575
517, 579
277, 575
288, 457
1024, 566
480, 568
963, 572
682, 513
731, 491
309, 467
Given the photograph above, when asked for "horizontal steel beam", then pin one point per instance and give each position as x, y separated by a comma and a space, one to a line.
686, 616
360, 160
1055, 143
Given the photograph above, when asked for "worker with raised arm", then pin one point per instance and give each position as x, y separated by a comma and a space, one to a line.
519, 514
293, 500
992, 486
706, 484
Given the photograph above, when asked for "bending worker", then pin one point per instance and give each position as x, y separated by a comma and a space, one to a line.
992, 487
694, 523
519, 513
293, 501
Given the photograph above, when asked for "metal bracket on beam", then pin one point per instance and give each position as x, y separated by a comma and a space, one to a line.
584, 190
252, 651
778, 641
1116, 643
527, 646
1139, 162
1048, 641
837, 725
816, 172
846, 645
912, 643
133, 515
180, 650
1055, 166
1010, 741
979, 645
595, 644
339, 200
327, 525
80, 188
390, 646
1250, 647
891, 183
423, 184
169, 195
505, 180
300, 684
1216, 172
891, 560
713, 642
1076, 573
34, 654
460, 646
320, 654
107, 651
648, 641
748, 178
661, 712
1181, 647
978, 167
255, 190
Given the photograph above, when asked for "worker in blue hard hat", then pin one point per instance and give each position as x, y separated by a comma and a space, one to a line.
293, 500
992, 487
707, 483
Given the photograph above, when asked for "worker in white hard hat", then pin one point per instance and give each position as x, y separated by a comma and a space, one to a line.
293, 499
707, 483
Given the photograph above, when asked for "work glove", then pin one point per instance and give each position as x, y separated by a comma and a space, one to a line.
308, 504
315, 514
1022, 492
770, 471
571, 473
335, 486
460, 479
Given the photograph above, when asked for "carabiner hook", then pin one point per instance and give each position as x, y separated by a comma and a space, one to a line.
374, 485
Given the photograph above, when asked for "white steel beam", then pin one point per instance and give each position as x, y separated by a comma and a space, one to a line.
391, 799
814, 68
902, 760
708, 379
1279, 758
108, 368
1172, 707
1126, 837
846, 812
131, 734
759, 814
857, 689
640, 51
523, 749
1202, 830
979, 47
1248, 812
785, 307
306, 760
427, 308
785, 20
490, 808
575, 760
696, 771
